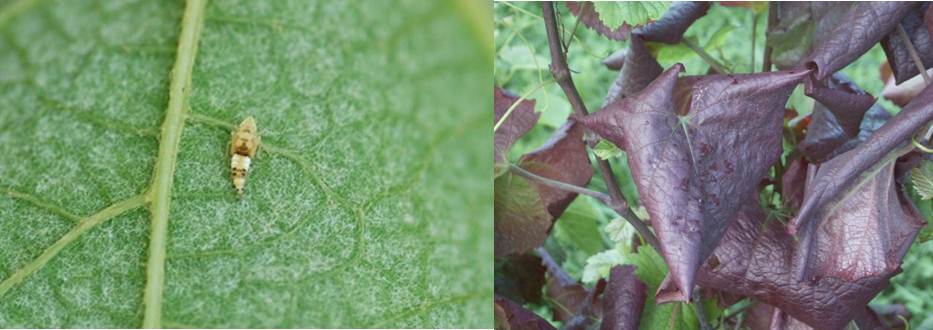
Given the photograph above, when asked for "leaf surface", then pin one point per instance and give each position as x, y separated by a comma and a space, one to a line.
696, 146
350, 218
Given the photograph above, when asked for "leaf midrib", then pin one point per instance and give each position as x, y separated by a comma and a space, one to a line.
160, 193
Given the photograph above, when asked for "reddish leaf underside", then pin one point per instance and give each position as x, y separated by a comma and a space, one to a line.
697, 147
624, 299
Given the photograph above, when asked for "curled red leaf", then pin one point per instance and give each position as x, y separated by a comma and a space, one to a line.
863, 25
624, 299
852, 168
697, 148
639, 70
836, 117
854, 252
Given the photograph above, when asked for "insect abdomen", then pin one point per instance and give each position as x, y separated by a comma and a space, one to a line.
239, 166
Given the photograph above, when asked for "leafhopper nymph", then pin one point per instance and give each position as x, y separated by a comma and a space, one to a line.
244, 141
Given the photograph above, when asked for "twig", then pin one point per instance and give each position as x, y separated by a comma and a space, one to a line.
772, 19
705, 56
701, 315
573, 33
559, 185
555, 269
751, 66
562, 77
913, 53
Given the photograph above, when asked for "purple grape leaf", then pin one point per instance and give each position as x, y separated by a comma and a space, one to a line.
863, 25
697, 147
520, 278
669, 28
512, 316
836, 117
902, 64
623, 300
837, 177
854, 252
639, 70
562, 158
519, 122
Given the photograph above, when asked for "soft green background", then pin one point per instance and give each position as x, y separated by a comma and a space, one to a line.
726, 33
378, 214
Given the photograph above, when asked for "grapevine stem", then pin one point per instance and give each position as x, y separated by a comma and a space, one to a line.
562, 77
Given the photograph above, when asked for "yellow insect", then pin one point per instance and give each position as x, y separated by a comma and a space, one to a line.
244, 142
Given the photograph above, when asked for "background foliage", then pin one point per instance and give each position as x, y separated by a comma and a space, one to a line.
731, 35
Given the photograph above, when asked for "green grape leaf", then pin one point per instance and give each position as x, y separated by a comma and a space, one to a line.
366, 206
578, 226
922, 178
633, 13
605, 150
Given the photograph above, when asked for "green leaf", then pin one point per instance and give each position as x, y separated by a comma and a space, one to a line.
598, 266
922, 177
605, 150
651, 269
614, 14
578, 226
351, 218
